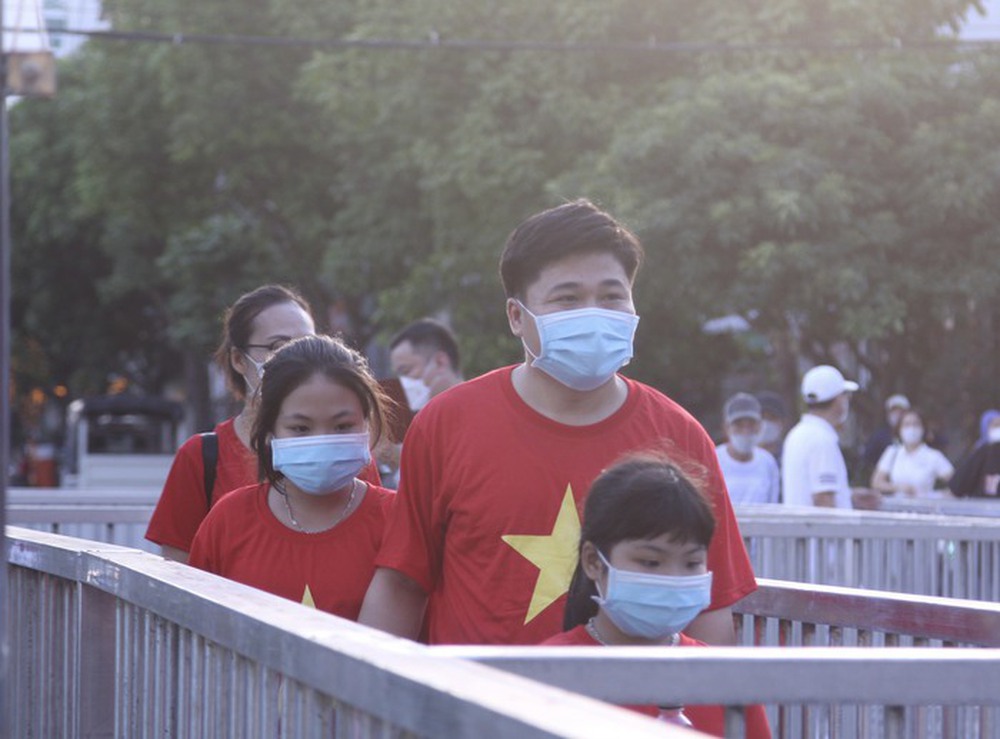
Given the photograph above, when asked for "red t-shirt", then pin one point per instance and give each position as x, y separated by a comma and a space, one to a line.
487, 517
241, 539
707, 719
183, 505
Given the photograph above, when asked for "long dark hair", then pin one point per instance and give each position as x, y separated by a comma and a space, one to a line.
294, 364
640, 497
237, 326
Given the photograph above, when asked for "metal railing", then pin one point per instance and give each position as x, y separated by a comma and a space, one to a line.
108, 641
107, 515
940, 555
112, 642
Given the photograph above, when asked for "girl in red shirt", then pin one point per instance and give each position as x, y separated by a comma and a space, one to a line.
641, 575
311, 529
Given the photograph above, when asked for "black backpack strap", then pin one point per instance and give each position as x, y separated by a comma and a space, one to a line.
209, 459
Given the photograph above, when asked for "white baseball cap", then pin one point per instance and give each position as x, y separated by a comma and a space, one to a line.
824, 383
897, 401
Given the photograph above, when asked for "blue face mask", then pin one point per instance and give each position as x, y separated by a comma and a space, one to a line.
653, 606
320, 465
583, 348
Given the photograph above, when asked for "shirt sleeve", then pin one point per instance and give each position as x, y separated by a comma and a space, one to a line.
182, 504
967, 474
732, 573
825, 465
943, 468
885, 461
414, 534
774, 475
206, 546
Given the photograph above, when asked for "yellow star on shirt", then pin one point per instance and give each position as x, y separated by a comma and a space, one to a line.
307, 598
553, 554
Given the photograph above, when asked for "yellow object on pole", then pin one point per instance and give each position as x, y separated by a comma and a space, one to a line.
30, 65
31, 74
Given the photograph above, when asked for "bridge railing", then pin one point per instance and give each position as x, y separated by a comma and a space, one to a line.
114, 642
113, 516
923, 554
940, 554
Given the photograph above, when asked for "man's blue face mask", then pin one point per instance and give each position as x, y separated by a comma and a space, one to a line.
583, 348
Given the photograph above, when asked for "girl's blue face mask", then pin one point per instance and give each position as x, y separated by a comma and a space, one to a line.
323, 464
583, 348
653, 606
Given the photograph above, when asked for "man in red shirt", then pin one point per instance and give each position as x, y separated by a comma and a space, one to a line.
482, 539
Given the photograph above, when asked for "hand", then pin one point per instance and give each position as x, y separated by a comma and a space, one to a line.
866, 499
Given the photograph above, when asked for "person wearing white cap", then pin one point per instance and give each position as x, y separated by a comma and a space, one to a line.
751, 472
884, 435
813, 470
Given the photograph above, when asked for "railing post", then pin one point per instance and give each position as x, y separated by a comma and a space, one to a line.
95, 673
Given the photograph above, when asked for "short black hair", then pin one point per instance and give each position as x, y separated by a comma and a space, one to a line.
642, 496
578, 227
428, 334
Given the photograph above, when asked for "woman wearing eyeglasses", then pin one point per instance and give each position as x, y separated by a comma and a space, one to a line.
254, 327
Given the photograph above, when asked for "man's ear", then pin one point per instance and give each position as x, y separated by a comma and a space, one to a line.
440, 358
515, 317
590, 561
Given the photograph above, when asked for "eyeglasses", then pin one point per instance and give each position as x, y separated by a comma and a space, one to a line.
269, 348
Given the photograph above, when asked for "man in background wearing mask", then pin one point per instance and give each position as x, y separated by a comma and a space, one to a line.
482, 540
751, 472
813, 470
424, 356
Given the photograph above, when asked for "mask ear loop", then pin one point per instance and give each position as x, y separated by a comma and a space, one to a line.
259, 369
608, 568
541, 341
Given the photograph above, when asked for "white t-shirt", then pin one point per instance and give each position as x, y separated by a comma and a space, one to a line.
755, 481
919, 468
811, 462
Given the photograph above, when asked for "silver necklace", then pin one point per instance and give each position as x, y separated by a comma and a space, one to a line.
591, 628
280, 487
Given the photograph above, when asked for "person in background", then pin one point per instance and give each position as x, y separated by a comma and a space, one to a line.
254, 327
424, 355
909, 466
642, 576
813, 470
310, 531
494, 471
885, 434
774, 422
978, 475
258, 324
985, 423
751, 473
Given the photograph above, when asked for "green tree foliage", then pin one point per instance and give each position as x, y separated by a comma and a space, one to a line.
813, 166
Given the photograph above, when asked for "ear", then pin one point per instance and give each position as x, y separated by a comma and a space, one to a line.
237, 361
515, 317
440, 359
591, 562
